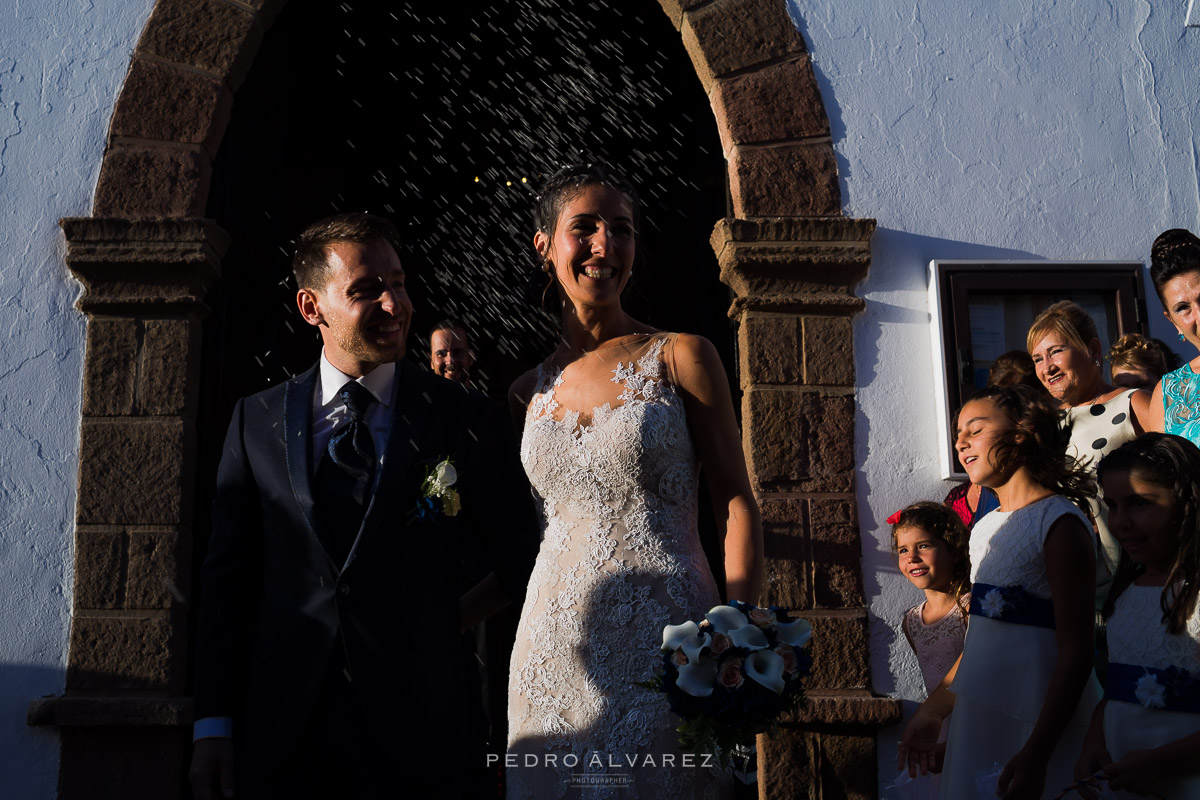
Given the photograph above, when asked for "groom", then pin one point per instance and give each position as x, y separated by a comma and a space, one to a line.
328, 652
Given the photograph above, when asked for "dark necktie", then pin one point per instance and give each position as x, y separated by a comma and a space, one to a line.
344, 478
351, 447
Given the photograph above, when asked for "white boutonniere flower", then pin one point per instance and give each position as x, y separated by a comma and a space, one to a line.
438, 494
993, 604
1150, 693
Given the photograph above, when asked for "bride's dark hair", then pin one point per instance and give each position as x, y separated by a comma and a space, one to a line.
565, 185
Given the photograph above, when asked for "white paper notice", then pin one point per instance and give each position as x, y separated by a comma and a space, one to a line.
987, 329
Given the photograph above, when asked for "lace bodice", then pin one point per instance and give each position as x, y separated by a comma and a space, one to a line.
937, 644
620, 558
1006, 546
1181, 403
1137, 634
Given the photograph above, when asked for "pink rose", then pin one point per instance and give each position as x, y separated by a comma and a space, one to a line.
680, 657
719, 644
762, 617
790, 665
729, 674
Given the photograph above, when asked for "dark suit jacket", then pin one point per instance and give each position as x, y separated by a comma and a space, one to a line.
273, 602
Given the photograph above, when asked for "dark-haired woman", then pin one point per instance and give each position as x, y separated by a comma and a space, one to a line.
1175, 272
616, 422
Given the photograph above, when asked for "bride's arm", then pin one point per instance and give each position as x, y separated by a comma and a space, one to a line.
700, 379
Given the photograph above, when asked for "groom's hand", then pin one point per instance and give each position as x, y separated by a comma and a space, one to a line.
211, 774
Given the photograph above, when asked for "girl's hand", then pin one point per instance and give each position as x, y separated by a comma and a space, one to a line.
1138, 772
919, 749
1023, 778
1094, 755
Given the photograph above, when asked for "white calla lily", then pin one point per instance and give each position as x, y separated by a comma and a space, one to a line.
766, 668
796, 633
726, 618
447, 475
676, 635
693, 645
697, 679
749, 636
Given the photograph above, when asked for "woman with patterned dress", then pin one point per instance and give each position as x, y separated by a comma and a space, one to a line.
1175, 272
1067, 357
616, 421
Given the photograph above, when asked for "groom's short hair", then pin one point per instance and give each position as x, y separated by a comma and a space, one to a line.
310, 264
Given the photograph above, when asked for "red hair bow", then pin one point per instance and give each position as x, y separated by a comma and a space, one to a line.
894, 518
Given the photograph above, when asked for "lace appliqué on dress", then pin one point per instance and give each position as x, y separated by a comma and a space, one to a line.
620, 559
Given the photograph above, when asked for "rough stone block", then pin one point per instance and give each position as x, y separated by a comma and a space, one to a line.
836, 554
169, 373
788, 563
146, 181
785, 180
674, 9
787, 765
120, 653
207, 34
777, 103
840, 652
109, 367
166, 103
99, 567
828, 351
130, 472
769, 349
730, 35
123, 764
802, 439
848, 767
158, 569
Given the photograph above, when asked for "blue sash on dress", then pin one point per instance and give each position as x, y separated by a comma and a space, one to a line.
1011, 604
1172, 689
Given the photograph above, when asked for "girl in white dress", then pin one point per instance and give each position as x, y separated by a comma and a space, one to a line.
931, 547
1024, 690
1145, 735
616, 422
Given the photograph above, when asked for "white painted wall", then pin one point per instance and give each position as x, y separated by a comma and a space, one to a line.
61, 65
1022, 130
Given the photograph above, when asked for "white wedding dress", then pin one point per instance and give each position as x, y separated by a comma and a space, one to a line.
620, 558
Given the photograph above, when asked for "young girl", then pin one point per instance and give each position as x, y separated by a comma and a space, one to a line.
1023, 688
1145, 736
930, 541
931, 545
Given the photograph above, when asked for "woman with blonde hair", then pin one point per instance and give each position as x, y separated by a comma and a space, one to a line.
1065, 346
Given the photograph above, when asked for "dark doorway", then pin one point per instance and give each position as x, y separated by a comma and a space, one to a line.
448, 128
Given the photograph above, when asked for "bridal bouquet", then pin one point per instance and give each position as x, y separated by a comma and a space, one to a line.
732, 674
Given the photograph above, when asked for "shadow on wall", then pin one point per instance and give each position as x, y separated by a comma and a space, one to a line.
899, 270
28, 755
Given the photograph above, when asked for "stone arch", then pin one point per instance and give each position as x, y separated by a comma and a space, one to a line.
146, 258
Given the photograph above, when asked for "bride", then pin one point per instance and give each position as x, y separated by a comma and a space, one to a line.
617, 421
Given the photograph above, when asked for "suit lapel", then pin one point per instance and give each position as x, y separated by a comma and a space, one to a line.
411, 401
297, 438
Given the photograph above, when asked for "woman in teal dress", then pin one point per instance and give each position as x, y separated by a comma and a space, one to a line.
1175, 272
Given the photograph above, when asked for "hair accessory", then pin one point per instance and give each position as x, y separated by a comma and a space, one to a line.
1096, 362
894, 518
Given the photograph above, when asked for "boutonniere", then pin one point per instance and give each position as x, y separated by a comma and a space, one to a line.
438, 495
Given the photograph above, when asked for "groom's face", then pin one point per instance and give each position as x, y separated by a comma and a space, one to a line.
363, 311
